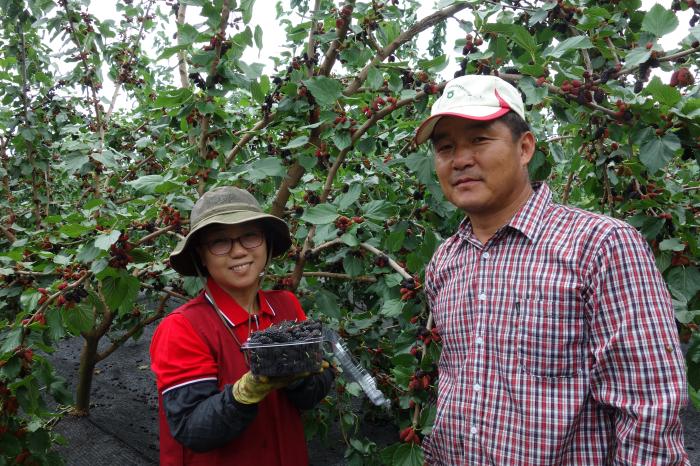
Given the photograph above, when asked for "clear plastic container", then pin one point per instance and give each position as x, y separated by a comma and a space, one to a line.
284, 359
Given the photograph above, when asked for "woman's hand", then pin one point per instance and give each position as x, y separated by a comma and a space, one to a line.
251, 389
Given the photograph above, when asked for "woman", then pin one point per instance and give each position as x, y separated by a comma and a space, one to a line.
213, 411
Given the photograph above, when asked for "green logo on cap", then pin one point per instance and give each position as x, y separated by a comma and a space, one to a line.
450, 94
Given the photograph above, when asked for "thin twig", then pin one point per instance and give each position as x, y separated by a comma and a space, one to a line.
392, 263
405, 36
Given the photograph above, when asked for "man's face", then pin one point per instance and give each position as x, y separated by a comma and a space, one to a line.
480, 168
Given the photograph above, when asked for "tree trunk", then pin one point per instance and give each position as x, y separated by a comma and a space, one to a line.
88, 359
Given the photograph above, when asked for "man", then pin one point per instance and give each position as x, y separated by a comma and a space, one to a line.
559, 341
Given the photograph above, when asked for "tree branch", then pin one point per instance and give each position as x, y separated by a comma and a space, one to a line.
299, 266
155, 234
8, 234
118, 84
405, 36
140, 325
181, 57
392, 263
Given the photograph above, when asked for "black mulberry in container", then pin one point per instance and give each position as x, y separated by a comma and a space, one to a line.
285, 349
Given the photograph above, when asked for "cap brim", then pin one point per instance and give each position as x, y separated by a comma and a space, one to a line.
425, 130
276, 231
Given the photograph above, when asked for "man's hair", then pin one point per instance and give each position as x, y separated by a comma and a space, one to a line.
516, 124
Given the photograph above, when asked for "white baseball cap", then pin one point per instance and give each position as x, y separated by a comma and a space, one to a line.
474, 97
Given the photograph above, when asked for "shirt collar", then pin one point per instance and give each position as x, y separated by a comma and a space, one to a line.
234, 312
528, 220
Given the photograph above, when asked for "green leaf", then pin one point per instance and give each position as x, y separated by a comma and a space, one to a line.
694, 397
74, 162
391, 307
38, 441
247, 10
29, 300
120, 292
408, 454
92, 203
258, 37
187, 34
347, 199
78, 319
379, 210
10, 447
320, 214
327, 303
517, 33
434, 65
352, 265
572, 43
671, 244
422, 166
342, 139
105, 241
192, 285
269, 166
659, 21
684, 279
637, 56
657, 152
87, 253
55, 324
375, 79
108, 158
325, 90
147, 184
665, 94
350, 238
395, 240
297, 142
140, 256
74, 230
173, 97
12, 339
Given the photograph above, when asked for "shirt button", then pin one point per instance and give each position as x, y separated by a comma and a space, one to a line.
482, 296
479, 341
473, 430
477, 387
486, 255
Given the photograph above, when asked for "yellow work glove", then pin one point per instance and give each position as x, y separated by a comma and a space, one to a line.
251, 389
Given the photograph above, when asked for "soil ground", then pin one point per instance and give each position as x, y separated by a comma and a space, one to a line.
122, 428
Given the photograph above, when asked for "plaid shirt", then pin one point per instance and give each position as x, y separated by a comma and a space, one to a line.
559, 345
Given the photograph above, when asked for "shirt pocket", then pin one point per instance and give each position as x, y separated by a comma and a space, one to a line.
552, 339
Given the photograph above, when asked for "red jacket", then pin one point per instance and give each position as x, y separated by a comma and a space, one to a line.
192, 344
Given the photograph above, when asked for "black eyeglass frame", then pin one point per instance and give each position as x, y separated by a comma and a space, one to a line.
259, 236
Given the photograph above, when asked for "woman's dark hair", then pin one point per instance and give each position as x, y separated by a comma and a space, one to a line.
516, 124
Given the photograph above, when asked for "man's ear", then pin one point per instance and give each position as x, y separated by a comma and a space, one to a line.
527, 147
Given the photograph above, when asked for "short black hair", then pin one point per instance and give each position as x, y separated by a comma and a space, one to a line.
517, 125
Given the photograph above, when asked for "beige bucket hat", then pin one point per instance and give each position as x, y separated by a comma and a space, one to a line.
228, 205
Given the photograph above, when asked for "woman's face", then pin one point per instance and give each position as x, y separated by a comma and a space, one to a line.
235, 257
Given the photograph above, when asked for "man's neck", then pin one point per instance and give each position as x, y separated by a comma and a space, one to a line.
485, 225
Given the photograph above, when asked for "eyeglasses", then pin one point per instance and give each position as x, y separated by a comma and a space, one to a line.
222, 246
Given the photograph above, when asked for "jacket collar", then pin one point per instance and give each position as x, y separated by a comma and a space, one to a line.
232, 311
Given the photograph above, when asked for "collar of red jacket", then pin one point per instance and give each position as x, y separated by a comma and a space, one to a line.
233, 311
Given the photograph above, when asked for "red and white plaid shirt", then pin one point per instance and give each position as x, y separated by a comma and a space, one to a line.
559, 345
